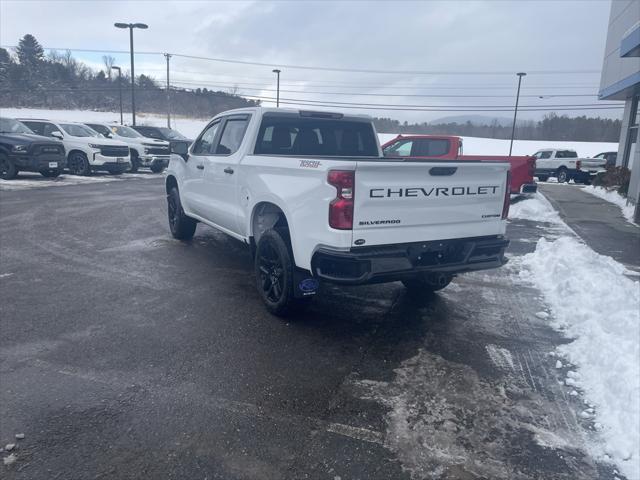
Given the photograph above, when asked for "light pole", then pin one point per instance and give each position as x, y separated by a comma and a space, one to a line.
168, 56
131, 26
119, 89
515, 113
277, 72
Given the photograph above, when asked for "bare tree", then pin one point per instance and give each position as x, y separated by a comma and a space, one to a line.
108, 61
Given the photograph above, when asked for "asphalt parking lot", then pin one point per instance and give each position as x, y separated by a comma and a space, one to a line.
127, 354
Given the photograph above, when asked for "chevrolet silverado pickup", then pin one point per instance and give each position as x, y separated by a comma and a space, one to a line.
23, 150
448, 147
313, 196
565, 165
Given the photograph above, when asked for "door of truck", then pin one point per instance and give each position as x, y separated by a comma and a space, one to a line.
192, 190
220, 180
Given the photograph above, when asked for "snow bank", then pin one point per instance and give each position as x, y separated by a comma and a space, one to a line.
614, 197
191, 127
597, 305
537, 208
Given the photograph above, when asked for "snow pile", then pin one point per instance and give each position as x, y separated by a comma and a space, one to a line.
597, 305
614, 197
537, 209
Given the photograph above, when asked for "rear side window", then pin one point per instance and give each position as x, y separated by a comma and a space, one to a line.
431, 147
232, 135
568, 154
37, 127
295, 135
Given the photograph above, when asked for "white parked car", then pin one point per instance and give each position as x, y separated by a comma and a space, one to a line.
312, 193
87, 150
145, 152
565, 165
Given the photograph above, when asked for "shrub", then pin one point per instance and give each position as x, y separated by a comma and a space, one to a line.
614, 178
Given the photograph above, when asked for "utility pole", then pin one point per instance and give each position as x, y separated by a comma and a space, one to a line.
277, 72
515, 113
113, 67
131, 26
168, 56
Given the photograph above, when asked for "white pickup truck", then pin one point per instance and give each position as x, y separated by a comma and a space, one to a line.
317, 201
565, 165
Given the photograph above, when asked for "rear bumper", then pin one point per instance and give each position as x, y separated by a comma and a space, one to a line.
389, 263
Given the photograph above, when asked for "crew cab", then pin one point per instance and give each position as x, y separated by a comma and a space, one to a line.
565, 165
447, 147
87, 150
23, 150
312, 194
145, 152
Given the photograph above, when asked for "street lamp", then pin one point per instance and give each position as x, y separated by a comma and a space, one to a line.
515, 113
113, 67
277, 72
131, 26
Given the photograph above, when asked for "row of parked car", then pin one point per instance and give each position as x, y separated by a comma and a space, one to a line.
48, 147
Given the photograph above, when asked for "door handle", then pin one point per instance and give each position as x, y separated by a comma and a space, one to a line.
200, 167
228, 170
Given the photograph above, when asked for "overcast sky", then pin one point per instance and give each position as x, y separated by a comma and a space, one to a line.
467, 36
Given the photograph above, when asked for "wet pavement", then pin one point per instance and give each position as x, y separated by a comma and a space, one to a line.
127, 354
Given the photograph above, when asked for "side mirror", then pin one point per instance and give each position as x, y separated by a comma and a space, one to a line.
57, 135
180, 148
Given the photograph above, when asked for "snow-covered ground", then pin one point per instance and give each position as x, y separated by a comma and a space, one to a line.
593, 302
613, 197
192, 127
26, 180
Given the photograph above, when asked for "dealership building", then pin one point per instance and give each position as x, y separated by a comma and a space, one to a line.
621, 81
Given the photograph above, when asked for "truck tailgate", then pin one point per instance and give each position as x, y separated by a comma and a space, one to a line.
402, 202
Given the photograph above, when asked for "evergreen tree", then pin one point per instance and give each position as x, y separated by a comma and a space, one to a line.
29, 51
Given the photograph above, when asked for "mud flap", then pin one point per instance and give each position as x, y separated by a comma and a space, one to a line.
304, 285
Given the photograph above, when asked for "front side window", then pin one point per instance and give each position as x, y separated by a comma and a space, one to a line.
542, 155
100, 129
232, 136
123, 131
49, 128
205, 144
9, 125
168, 134
36, 127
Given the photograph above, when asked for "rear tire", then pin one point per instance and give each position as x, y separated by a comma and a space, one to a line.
426, 283
79, 164
562, 175
274, 266
50, 173
8, 169
182, 227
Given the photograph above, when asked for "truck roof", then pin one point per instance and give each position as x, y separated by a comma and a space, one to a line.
263, 110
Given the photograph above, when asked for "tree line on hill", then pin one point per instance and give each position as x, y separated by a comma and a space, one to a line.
31, 79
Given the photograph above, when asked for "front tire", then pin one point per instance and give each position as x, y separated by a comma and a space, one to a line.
543, 178
134, 162
274, 268
50, 173
79, 164
182, 227
157, 167
426, 283
8, 169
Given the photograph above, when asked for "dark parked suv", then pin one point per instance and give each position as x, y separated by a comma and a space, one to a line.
23, 150
162, 133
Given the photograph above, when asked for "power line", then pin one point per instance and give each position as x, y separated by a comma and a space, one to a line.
332, 69
219, 85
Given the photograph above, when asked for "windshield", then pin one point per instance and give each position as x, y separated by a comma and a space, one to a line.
9, 125
171, 134
79, 130
125, 131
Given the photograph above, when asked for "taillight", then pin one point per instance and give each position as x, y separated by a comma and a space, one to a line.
578, 164
341, 208
507, 197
